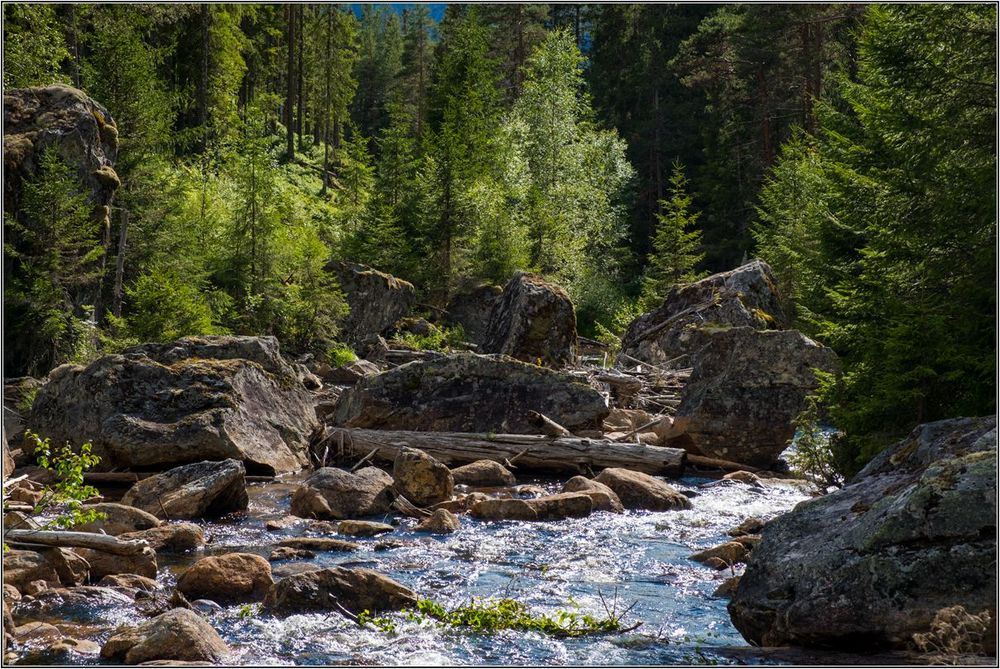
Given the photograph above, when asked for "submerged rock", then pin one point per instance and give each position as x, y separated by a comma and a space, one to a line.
339, 494
199, 398
320, 544
868, 566
179, 634
192, 491
534, 321
377, 300
229, 578
641, 491
465, 392
363, 528
356, 590
73, 604
550, 507
420, 478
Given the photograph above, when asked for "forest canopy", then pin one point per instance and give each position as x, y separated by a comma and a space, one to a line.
615, 149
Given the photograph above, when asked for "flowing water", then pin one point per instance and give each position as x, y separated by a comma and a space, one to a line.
637, 559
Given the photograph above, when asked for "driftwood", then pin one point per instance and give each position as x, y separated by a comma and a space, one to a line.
99, 542
564, 454
128, 478
549, 426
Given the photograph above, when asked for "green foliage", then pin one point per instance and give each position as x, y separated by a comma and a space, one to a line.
67, 494
339, 354
676, 243
612, 333
34, 45
53, 252
813, 455
494, 615
250, 610
884, 222
382, 623
442, 339
164, 307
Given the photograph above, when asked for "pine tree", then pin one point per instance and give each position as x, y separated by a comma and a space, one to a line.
34, 45
676, 242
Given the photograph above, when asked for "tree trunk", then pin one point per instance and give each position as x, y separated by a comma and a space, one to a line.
532, 452
301, 95
116, 304
290, 81
203, 79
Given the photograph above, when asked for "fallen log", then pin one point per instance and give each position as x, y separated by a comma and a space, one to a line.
549, 426
128, 478
563, 454
62, 538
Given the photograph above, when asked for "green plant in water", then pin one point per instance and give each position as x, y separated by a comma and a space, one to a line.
813, 454
493, 615
250, 610
383, 623
69, 490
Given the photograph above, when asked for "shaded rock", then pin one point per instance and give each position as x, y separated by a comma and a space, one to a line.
339, 494
363, 528
534, 321
441, 521
21, 567
229, 578
293, 568
372, 348
179, 634
377, 300
319, 544
65, 651
552, 507
356, 590
170, 538
869, 566
18, 395
748, 540
26, 492
35, 633
729, 553
129, 582
198, 398
8, 459
82, 133
727, 588
415, 325
465, 392
483, 473
103, 564
10, 594
119, 519
420, 478
603, 497
289, 553
471, 310
202, 489
641, 491
744, 297
749, 526
746, 389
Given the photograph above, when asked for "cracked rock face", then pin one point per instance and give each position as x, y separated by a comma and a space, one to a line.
377, 300
868, 566
199, 398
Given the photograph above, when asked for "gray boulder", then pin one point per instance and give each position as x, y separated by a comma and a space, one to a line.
192, 491
746, 388
534, 321
199, 398
377, 300
466, 392
332, 589
339, 494
744, 297
871, 565
471, 310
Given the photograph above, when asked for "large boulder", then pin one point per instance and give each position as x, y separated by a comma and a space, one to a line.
744, 297
746, 388
339, 494
192, 491
338, 588
534, 321
104, 564
53, 565
636, 490
199, 398
869, 566
377, 300
178, 634
466, 392
471, 310
229, 578
82, 133
420, 478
